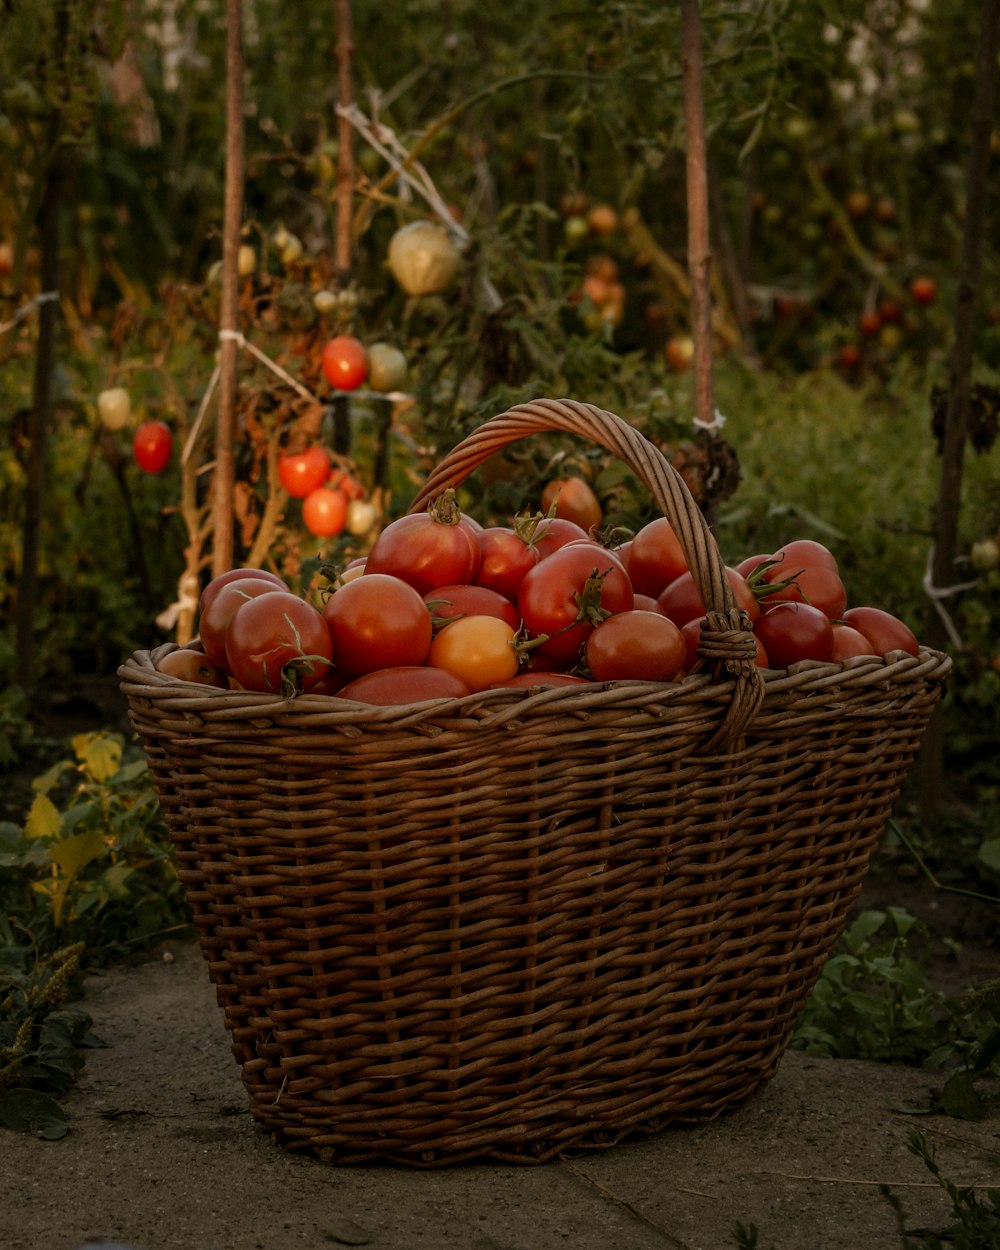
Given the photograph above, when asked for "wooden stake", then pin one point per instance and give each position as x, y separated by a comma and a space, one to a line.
232, 222
699, 244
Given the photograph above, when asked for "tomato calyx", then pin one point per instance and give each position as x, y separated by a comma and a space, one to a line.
444, 508
763, 590
292, 671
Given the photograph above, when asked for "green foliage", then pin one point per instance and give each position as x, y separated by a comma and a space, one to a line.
41, 1041
88, 875
977, 1218
874, 999
92, 861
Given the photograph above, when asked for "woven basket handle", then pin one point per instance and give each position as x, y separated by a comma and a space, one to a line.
726, 636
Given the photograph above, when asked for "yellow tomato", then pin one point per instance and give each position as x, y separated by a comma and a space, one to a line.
478, 649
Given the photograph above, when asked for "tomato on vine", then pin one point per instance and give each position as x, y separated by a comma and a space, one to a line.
345, 362
152, 446
302, 472
324, 511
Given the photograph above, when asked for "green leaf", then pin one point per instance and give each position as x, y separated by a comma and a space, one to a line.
30, 1111
989, 853
961, 1099
99, 753
43, 820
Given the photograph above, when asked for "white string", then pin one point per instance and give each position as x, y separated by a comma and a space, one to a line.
713, 426
44, 298
937, 593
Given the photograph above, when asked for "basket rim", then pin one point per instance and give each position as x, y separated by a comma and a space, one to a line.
139, 676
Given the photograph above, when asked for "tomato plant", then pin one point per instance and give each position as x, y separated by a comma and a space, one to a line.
302, 472
884, 631
345, 362
405, 683
278, 643
637, 645
324, 511
152, 446
478, 649
792, 632
573, 499
427, 549
377, 621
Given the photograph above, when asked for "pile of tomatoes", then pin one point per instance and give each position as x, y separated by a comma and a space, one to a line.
443, 607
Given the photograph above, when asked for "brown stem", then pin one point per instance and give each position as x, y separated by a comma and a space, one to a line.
345, 141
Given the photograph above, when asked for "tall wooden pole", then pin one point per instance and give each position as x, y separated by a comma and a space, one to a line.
232, 222
949, 499
699, 244
345, 197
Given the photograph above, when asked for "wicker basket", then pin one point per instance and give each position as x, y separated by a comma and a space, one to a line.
528, 920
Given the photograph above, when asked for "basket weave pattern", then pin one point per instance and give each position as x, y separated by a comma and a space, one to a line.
527, 920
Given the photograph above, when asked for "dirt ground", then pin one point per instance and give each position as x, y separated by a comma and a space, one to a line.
162, 1155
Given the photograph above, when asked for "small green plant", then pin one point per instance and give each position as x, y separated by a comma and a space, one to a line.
92, 860
87, 874
977, 1225
874, 999
41, 1041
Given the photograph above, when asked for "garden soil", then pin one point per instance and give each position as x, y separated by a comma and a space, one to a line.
163, 1155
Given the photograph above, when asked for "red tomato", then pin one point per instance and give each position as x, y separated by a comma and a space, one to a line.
504, 559
923, 289
448, 603
221, 608
751, 563
635, 645
377, 621
884, 631
233, 575
152, 446
816, 584
477, 649
300, 473
407, 683
278, 644
324, 511
681, 600
573, 499
341, 480
555, 532
566, 594
691, 633
187, 664
645, 603
655, 558
426, 552
792, 632
345, 362
848, 642
799, 554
